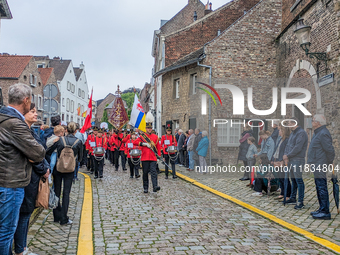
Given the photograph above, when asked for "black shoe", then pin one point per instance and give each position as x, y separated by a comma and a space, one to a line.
91, 172
166, 177
116, 169
244, 179
156, 189
299, 205
174, 177
315, 212
291, 201
146, 191
137, 176
96, 177
124, 169
101, 176
131, 176
322, 216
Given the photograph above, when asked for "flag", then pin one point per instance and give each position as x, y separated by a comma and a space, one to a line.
84, 114
88, 118
137, 118
119, 116
78, 110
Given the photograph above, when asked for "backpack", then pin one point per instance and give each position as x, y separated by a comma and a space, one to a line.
66, 162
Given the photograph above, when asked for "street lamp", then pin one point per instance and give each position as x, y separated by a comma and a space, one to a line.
303, 35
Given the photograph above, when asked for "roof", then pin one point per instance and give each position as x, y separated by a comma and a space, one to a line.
45, 74
60, 67
77, 72
189, 59
99, 101
40, 58
12, 66
5, 12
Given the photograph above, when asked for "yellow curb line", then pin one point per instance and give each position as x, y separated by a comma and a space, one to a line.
85, 239
328, 244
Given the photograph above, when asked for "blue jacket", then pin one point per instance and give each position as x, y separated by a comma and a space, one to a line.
47, 133
321, 150
251, 151
203, 146
297, 144
267, 147
281, 150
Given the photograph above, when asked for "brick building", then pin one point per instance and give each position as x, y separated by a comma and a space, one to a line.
244, 50
323, 17
21, 69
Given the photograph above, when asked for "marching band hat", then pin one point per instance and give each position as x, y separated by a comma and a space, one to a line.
101, 130
149, 119
95, 129
168, 128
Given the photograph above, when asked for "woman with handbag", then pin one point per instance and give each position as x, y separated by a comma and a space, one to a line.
64, 172
39, 170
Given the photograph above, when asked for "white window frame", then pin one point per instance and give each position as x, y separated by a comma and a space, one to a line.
194, 78
63, 101
40, 103
177, 88
68, 86
67, 118
68, 104
225, 138
83, 94
33, 80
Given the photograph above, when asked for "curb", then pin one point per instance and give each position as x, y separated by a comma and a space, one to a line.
85, 237
325, 243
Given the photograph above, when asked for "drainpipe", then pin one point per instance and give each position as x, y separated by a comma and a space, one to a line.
198, 63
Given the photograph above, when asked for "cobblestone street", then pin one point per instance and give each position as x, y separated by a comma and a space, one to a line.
180, 219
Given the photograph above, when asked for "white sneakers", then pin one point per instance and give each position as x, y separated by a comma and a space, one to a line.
257, 194
27, 252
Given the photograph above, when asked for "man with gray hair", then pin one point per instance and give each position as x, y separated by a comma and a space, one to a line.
18, 149
180, 146
320, 154
190, 146
275, 133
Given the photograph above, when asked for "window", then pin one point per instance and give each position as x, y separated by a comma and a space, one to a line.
63, 101
67, 118
72, 106
82, 122
79, 92
78, 121
176, 123
67, 104
40, 102
33, 80
176, 88
32, 100
71, 118
193, 82
63, 117
68, 85
82, 109
229, 136
83, 94
72, 88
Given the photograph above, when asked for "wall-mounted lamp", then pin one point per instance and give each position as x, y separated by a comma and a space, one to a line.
303, 35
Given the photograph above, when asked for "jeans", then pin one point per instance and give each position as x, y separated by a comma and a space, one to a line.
10, 203
53, 161
191, 160
20, 236
60, 213
320, 179
296, 177
76, 170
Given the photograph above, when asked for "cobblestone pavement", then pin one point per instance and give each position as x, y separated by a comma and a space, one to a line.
179, 219
47, 237
328, 229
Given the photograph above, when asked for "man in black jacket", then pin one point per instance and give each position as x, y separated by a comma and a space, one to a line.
18, 149
198, 137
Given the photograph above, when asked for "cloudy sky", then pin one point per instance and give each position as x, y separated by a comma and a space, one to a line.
113, 38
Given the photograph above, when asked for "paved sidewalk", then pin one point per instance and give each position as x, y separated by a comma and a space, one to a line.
46, 237
328, 229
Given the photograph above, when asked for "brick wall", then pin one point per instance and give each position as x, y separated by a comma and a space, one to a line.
293, 61
193, 37
245, 51
100, 108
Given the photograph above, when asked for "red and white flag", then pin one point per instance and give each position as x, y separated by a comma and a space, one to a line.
88, 118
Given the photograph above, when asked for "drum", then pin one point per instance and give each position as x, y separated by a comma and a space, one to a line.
172, 149
135, 153
99, 151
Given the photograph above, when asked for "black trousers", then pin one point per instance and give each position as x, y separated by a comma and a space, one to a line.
149, 167
122, 158
92, 163
88, 161
112, 157
172, 162
134, 169
84, 159
181, 157
259, 185
60, 213
98, 167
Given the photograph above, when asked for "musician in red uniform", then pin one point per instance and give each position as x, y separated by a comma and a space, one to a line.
89, 146
133, 161
120, 150
100, 142
150, 148
113, 146
169, 140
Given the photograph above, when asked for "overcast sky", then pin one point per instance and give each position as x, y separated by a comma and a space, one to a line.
113, 38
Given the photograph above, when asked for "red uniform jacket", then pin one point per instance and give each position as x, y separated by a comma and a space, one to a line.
100, 142
89, 140
119, 142
148, 154
172, 141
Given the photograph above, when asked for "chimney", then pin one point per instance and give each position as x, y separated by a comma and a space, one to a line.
81, 66
208, 8
195, 15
